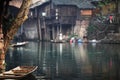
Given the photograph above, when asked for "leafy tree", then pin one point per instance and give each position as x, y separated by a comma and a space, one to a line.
99, 24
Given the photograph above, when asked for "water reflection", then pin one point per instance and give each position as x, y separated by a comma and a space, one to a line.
64, 61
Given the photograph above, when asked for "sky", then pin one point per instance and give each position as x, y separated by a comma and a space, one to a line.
18, 3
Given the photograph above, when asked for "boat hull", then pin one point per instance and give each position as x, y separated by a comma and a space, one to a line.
18, 72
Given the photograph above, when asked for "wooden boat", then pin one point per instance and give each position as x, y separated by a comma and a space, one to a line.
94, 41
18, 72
18, 44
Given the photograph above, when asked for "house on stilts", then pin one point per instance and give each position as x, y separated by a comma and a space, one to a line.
51, 19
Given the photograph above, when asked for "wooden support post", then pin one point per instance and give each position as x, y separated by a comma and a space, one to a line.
38, 25
53, 31
45, 37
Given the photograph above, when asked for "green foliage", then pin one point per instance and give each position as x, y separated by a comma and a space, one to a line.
5, 64
91, 28
103, 3
100, 4
0, 51
72, 35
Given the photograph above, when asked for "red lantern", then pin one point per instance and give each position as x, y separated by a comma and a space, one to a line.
111, 18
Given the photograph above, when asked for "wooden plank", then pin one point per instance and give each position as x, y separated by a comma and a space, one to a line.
18, 72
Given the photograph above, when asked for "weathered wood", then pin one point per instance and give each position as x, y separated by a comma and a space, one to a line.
18, 72
53, 32
38, 24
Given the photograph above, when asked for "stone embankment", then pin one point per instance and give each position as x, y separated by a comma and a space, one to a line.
112, 38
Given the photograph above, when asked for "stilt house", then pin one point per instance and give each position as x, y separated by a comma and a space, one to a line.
49, 19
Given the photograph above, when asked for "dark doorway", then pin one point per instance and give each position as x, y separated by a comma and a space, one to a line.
51, 33
43, 34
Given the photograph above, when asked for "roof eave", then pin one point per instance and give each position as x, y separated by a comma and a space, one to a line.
38, 4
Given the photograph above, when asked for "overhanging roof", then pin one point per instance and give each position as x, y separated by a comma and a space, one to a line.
38, 3
82, 4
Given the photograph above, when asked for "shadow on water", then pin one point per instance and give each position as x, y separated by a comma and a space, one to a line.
29, 77
64, 61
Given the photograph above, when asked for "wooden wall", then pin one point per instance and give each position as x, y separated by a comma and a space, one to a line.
67, 14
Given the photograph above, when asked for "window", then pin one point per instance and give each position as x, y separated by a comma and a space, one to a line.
86, 12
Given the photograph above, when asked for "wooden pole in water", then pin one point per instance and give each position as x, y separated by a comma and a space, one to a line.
38, 25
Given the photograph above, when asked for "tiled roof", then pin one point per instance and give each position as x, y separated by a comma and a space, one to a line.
65, 2
86, 5
79, 3
96, 0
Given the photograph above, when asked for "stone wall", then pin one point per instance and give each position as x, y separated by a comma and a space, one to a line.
80, 28
114, 36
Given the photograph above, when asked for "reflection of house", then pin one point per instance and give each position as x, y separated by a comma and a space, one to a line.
55, 16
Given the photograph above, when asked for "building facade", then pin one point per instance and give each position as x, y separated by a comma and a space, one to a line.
50, 19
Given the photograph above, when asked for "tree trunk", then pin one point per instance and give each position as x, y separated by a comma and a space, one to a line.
20, 18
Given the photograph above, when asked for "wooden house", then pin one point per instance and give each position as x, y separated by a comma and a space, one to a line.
51, 18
